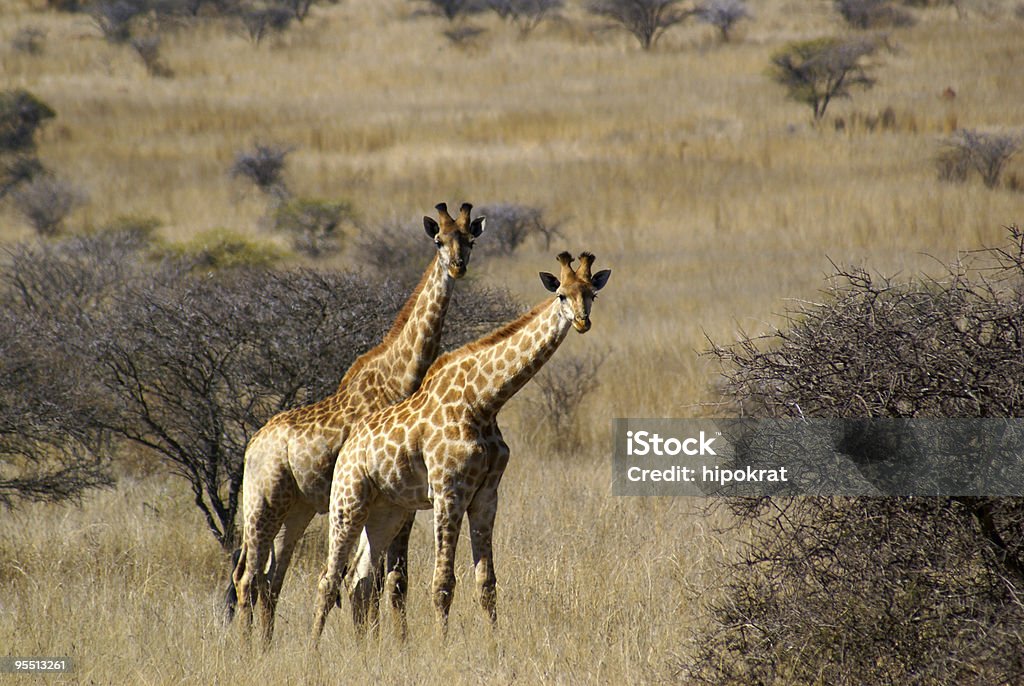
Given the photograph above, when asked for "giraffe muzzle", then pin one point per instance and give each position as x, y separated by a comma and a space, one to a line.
582, 325
457, 269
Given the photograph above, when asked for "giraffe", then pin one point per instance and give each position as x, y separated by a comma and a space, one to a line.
441, 448
289, 462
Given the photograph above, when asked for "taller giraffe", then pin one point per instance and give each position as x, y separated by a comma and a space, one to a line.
290, 461
441, 448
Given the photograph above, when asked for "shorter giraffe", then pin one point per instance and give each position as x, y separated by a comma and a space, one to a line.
441, 447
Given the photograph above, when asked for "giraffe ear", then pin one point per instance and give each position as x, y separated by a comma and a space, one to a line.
550, 281
431, 227
600, 279
477, 227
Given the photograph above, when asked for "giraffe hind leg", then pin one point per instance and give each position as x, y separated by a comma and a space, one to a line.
230, 596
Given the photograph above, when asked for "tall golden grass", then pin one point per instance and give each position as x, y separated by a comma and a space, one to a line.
711, 197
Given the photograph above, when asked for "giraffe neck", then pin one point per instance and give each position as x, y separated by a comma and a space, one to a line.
417, 340
499, 365
394, 369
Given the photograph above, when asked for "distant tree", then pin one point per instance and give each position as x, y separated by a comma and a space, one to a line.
148, 50
45, 201
510, 225
29, 40
315, 225
526, 15
723, 15
21, 116
817, 71
871, 14
17, 170
261, 21
264, 167
454, 9
647, 20
985, 153
114, 17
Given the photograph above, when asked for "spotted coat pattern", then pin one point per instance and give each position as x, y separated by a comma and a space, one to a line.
289, 462
441, 448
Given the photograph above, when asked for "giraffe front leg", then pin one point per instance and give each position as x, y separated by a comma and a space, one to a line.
448, 513
481, 529
345, 526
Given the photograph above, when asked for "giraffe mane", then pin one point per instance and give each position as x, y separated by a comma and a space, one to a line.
396, 328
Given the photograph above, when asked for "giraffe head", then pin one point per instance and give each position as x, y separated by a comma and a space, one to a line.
454, 237
576, 288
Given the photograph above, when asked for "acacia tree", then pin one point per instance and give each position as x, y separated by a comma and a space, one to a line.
723, 15
817, 71
647, 20
194, 366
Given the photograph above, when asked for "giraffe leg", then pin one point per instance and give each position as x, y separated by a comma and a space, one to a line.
250, 575
396, 574
287, 538
364, 594
346, 520
481, 529
448, 513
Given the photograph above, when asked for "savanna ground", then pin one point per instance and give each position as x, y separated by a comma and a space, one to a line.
711, 196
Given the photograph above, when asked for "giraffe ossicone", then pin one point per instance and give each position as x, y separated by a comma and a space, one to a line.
289, 462
441, 448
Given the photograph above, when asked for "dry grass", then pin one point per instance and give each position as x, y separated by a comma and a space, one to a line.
711, 197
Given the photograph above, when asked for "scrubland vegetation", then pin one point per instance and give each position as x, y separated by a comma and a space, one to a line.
710, 187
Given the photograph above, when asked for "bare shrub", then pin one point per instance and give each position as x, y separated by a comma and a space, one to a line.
21, 116
559, 391
264, 167
723, 15
46, 201
453, 9
526, 15
647, 20
49, 445
316, 226
148, 50
510, 225
17, 170
817, 71
873, 14
29, 40
195, 366
985, 153
394, 249
873, 590
261, 21
114, 18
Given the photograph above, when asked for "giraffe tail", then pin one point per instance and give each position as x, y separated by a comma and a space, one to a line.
230, 595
